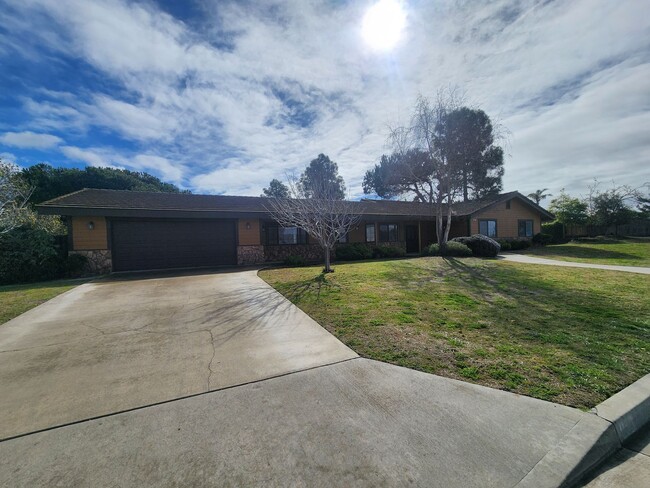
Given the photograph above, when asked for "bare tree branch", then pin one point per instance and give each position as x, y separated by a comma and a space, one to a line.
325, 219
14, 195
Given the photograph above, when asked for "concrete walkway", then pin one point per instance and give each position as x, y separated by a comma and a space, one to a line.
357, 423
122, 343
628, 468
522, 258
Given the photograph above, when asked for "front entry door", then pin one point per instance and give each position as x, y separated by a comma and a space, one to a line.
412, 239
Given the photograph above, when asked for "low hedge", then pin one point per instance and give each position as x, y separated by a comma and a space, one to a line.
481, 246
542, 239
518, 245
451, 249
388, 252
353, 252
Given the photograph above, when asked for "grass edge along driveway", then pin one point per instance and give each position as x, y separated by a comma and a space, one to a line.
18, 299
555, 334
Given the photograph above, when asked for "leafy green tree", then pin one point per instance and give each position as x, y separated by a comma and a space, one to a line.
468, 137
610, 209
276, 189
464, 139
49, 182
569, 210
401, 174
321, 179
539, 195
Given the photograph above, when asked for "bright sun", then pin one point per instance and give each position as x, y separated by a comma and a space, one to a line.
383, 24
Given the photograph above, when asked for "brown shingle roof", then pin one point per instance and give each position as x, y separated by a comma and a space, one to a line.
106, 201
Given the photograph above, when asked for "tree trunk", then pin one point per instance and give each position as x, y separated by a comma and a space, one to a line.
328, 268
465, 192
448, 226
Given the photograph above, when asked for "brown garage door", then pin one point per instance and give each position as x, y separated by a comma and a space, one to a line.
163, 244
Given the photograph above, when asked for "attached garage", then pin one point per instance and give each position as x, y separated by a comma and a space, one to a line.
139, 244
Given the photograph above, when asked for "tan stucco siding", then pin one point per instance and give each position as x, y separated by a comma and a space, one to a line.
249, 232
86, 239
508, 218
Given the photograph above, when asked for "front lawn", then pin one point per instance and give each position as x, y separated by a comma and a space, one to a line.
624, 252
573, 337
17, 299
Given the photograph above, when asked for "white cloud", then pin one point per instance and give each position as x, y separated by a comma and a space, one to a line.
83, 155
29, 140
295, 79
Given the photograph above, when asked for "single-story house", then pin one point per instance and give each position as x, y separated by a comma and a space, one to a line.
128, 230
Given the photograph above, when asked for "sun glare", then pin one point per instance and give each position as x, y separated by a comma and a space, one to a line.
383, 24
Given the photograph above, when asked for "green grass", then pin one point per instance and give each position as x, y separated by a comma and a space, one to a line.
17, 299
624, 252
552, 333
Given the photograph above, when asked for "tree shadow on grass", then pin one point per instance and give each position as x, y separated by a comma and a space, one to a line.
301, 289
585, 343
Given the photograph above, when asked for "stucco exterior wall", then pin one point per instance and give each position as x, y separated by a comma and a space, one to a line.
85, 239
249, 232
508, 218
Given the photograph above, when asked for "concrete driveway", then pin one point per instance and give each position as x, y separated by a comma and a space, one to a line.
118, 344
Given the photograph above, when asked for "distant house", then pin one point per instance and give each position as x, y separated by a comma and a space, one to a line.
127, 230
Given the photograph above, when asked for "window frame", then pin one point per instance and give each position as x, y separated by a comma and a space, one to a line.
525, 221
388, 232
272, 235
496, 227
374, 232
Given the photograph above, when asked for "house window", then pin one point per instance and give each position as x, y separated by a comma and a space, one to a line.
388, 233
525, 228
487, 227
370, 232
343, 239
508, 204
277, 235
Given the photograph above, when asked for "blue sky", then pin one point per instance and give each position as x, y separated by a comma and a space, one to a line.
222, 96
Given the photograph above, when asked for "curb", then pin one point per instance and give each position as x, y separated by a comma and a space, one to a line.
593, 439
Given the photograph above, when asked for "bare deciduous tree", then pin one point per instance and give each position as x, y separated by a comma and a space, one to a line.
427, 135
326, 219
14, 194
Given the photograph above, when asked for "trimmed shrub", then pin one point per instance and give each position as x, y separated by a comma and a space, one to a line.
295, 260
542, 239
505, 245
388, 252
556, 230
353, 252
518, 245
74, 265
457, 249
453, 249
482, 246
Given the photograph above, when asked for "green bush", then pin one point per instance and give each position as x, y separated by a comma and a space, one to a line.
556, 230
388, 252
505, 245
542, 239
518, 244
452, 249
28, 254
74, 265
353, 252
295, 260
482, 246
